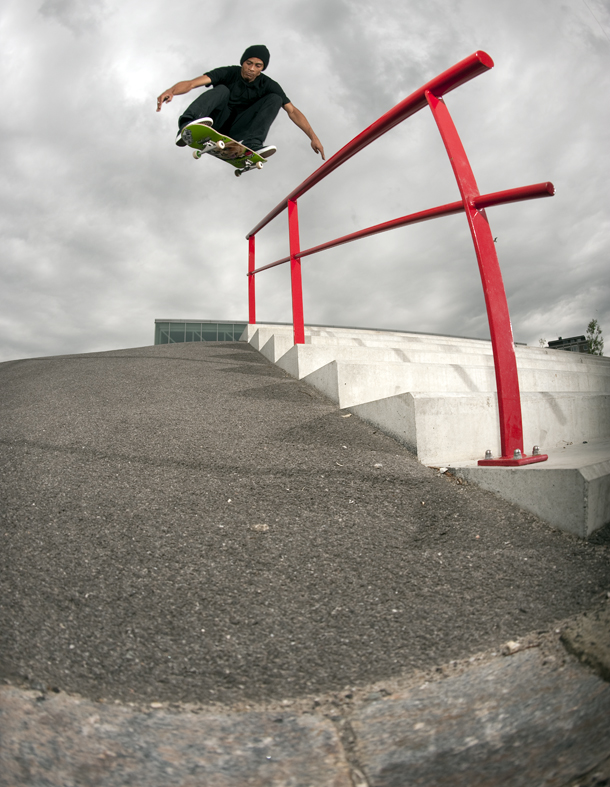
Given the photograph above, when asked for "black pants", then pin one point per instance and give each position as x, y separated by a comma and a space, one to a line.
249, 127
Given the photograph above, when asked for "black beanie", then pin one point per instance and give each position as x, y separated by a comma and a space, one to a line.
258, 50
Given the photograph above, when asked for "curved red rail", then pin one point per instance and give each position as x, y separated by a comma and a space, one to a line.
472, 203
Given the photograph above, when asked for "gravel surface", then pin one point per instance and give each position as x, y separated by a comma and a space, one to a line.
188, 523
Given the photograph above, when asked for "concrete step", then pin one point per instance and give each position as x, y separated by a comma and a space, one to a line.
441, 427
278, 345
360, 337
274, 344
571, 490
303, 359
352, 383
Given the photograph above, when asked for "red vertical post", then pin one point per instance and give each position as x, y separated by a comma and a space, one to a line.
298, 321
251, 282
505, 361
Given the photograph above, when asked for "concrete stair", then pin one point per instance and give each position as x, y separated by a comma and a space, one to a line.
437, 396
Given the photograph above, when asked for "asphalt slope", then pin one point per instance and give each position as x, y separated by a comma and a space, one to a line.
189, 523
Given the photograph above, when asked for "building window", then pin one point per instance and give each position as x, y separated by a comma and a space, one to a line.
178, 331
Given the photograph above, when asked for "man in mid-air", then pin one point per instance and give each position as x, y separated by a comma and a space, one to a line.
243, 103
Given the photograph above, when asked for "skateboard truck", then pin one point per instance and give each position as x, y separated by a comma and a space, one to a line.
187, 136
220, 145
248, 166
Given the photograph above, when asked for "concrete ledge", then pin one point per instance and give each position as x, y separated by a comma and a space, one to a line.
351, 382
520, 725
68, 741
303, 359
441, 427
570, 491
318, 335
530, 716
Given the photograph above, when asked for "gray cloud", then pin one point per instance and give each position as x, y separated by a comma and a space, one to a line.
78, 17
105, 225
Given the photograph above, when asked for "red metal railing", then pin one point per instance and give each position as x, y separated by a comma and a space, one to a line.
472, 203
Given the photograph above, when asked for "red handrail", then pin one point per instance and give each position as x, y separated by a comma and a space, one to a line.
453, 77
472, 203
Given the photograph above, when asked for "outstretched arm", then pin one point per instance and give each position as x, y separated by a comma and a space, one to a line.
182, 87
299, 119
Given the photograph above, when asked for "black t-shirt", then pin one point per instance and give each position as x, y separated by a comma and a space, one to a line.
243, 94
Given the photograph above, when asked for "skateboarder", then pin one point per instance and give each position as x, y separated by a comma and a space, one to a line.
243, 103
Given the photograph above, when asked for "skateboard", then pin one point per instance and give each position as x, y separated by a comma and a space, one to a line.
205, 139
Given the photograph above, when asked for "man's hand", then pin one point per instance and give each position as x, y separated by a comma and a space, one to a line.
316, 146
180, 88
163, 99
299, 119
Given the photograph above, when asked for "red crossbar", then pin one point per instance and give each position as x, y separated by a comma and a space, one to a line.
480, 202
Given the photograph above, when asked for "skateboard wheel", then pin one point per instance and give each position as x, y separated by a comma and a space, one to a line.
197, 154
220, 145
259, 165
237, 173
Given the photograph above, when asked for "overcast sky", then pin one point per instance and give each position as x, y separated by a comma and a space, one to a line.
106, 225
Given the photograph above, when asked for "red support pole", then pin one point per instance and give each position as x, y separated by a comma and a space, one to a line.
505, 362
298, 321
251, 282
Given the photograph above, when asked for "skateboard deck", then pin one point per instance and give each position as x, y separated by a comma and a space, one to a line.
205, 139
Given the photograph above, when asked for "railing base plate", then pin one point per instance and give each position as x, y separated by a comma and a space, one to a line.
508, 461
